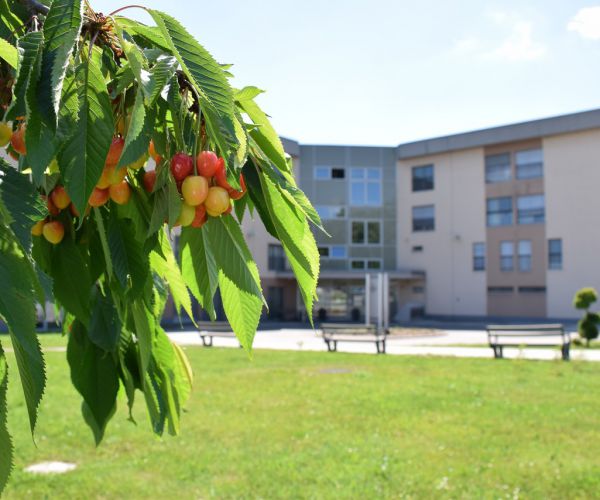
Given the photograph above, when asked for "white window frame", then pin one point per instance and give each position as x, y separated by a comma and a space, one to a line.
366, 181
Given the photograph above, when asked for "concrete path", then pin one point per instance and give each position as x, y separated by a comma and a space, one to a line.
444, 344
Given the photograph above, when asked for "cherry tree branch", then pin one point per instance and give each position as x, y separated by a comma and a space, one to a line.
35, 7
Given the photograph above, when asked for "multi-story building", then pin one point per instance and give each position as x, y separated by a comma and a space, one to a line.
497, 222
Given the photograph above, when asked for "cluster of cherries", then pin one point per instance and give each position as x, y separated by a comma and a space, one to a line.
204, 190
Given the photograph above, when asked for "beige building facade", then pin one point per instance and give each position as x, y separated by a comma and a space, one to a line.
497, 223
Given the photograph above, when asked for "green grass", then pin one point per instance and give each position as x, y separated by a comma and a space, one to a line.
321, 425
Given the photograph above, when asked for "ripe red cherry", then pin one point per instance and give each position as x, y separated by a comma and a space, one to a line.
207, 163
98, 197
200, 217
221, 175
60, 198
182, 165
234, 194
149, 180
52, 208
17, 140
114, 152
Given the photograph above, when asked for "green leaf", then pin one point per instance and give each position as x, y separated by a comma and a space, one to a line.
6, 457
29, 48
130, 262
139, 132
145, 330
22, 201
174, 202
72, 279
105, 325
9, 53
297, 239
255, 192
166, 266
61, 30
17, 307
150, 35
264, 135
94, 375
198, 267
239, 282
205, 74
160, 74
82, 159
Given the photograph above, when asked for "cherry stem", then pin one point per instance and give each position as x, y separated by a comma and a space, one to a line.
127, 7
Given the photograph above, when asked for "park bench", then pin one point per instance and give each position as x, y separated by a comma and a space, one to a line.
210, 329
501, 336
340, 332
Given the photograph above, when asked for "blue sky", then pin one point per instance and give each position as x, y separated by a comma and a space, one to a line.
382, 72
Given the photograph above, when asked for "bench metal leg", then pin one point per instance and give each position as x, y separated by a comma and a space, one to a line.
497, 351
207, 340
331, 345
380, 344
566, 352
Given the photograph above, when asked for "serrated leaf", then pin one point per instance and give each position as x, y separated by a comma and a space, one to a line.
9, 53
166, 266
145, 330
82, 159
105, 325
61, 30
29, 48
17, 307
6, 457
297, 239
160, 74
205, 74
264, 134
94, 375
149, 34
130, 262
239, 282
198, 267
72, 279
139, 132
174, 202
22, 201
160, 211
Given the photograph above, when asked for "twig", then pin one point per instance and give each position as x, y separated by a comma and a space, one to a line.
35, 7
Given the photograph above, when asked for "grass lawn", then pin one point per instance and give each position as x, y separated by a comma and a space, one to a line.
321, 425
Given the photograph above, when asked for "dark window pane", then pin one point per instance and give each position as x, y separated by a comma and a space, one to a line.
374, 264
374, 232
530, 209
555, 254
423, 218
357, 264
276, 258
324, 251
530, 164
338, 173
422, 178
499, 211
358, 232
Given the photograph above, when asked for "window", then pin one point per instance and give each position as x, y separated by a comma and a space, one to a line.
530, 164
478, 256
555, 254
524, 256
532, 289
365, 264
417, 248
365, 187
422, 178
423, 218
500, 289
327, 173
499, 211
497, 168
507, 250
276, 258
418, 289
338, 252
368, 232
530, 209
330, 211
324, 251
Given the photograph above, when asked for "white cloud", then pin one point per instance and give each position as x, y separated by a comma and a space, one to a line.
519, 45
586, 23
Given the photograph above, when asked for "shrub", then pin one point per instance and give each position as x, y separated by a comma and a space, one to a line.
585, 297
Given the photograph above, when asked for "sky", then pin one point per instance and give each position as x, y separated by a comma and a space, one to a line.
384, 72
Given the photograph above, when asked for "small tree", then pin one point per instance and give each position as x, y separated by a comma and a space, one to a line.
588, 325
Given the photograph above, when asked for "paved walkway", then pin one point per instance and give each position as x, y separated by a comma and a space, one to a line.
445, 343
